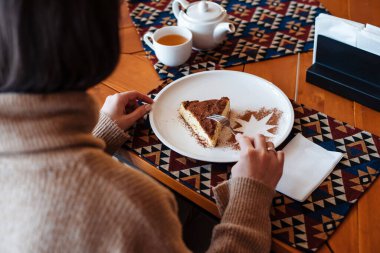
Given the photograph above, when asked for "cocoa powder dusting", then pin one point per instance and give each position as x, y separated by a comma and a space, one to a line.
259, 114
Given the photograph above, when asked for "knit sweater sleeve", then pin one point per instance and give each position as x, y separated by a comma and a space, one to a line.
245, 224
222, 196
109, 131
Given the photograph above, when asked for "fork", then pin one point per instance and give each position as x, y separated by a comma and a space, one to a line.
222, 120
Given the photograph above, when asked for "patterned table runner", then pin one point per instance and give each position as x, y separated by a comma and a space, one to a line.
265, 29
303, 225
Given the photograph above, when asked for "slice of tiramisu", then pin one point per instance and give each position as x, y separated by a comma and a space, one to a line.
195, 114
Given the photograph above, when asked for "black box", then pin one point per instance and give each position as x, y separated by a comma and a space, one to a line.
347, 71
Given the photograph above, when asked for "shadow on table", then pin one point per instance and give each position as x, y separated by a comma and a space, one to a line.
197, 224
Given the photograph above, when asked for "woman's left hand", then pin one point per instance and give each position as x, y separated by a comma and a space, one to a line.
123, 108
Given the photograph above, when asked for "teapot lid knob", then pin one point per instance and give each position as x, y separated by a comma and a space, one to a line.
204, 11
203, 6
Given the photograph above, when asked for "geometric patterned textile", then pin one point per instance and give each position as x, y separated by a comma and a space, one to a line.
303, 225
265, 29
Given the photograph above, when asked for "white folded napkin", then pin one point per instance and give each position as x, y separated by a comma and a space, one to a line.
339, 29
366, 37
372, 29
306, 166
369, 40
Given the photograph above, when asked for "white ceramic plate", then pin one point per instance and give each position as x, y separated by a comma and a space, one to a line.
246, 92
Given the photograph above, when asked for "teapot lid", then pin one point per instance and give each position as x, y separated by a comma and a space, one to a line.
205, 11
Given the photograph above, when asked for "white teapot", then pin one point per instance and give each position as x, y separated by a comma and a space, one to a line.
207, 21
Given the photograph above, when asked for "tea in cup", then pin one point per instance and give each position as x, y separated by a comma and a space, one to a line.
172, 44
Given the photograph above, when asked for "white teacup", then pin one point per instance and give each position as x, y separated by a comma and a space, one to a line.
171, 53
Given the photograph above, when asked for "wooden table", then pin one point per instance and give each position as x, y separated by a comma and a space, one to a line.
361, 230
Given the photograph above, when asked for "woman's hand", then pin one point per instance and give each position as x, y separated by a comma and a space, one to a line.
123, 108
257, 162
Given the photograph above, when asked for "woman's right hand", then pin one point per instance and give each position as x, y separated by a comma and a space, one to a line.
257, 162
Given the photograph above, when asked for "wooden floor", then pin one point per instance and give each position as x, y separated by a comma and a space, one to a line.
360, 232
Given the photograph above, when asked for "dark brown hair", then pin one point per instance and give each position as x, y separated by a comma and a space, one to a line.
57, 45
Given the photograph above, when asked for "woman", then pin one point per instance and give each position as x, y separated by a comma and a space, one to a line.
59, 190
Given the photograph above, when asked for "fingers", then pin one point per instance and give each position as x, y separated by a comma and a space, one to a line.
270, 144
270, 148
260, 142
244, 142
138, 113
133, 95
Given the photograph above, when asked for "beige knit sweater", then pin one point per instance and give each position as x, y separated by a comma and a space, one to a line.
60, 192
